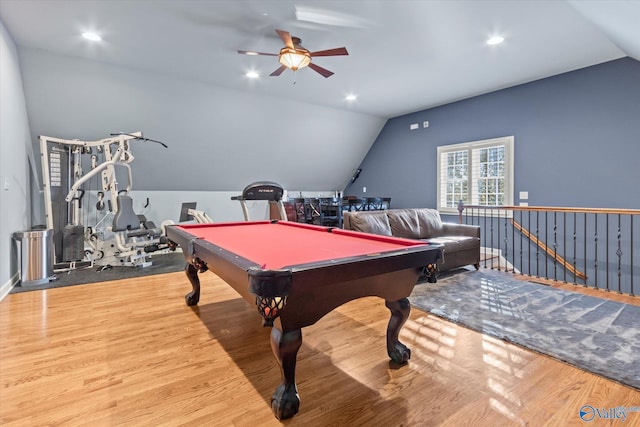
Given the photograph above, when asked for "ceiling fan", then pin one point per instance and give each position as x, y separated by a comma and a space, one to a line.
294, 56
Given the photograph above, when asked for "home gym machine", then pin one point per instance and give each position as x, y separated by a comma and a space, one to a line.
118, 237
188, 212
263, 190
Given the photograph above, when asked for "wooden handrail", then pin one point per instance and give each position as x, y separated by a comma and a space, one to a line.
558, 209
548, 250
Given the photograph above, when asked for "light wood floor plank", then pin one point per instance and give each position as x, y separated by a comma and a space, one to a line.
131, 353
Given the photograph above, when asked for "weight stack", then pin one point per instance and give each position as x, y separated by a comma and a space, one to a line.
72, 243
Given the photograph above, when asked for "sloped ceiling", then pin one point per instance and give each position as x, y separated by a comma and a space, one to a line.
170, 69
617, 20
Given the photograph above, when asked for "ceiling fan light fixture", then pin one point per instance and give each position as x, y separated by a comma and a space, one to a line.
495, 40
94, 37
294, 59
293, 56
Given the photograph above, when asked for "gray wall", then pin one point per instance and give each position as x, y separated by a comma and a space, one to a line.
577, 140
219, 139
14, 148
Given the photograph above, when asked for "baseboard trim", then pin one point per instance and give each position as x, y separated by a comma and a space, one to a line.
8, 285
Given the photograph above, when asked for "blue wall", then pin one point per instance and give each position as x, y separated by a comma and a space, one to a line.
577, 141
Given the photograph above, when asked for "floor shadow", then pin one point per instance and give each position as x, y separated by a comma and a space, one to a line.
248, 344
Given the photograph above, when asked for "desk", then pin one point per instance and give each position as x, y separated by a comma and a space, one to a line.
296, 273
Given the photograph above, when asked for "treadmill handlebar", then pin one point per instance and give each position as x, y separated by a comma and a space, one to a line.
262, 190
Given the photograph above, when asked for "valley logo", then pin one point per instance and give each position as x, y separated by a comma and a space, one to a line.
589, 413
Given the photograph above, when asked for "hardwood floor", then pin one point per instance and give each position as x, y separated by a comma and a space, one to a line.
131, 353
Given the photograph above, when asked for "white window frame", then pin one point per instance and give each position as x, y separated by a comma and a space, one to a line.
506, 141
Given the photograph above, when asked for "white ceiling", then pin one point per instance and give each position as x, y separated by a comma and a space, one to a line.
404, 55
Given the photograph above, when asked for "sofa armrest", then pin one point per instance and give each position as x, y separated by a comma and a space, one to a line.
453, 229
346, 220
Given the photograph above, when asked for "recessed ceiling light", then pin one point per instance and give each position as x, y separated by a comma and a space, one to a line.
252, 74
92, 36
350, 97
495, 40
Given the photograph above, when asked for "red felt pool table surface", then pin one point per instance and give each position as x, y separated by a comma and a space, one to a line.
286, 244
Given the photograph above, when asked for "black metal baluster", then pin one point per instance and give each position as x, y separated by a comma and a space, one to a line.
485, 238
555, 245
521, 235
564, 245
546, 241
619, 254
513, 239
498, 240
575, 266
529, 242
606, 253
595, 255
631, 217
585, 246
492, 248
538, 245
506, 242
506, 245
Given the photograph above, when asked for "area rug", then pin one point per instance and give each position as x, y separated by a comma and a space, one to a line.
160, 264
593, 334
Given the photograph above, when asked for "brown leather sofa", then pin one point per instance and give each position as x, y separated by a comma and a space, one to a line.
461, 242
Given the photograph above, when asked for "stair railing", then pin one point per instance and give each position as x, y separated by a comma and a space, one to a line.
593, 247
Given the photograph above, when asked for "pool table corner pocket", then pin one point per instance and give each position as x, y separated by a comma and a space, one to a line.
271, 288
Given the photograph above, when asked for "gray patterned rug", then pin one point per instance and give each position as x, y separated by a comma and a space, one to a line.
590, 333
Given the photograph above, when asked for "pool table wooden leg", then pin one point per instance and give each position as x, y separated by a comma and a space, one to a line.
192, 297
400, 310
285, 401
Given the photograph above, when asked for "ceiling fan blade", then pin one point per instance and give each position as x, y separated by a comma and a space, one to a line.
326, 73
286, 38
279, 71
251, 52
331, 52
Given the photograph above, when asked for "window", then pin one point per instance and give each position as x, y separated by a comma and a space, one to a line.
476, 173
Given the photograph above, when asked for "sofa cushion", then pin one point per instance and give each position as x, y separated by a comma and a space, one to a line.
429, 222
404, 223
455, 243
370, 222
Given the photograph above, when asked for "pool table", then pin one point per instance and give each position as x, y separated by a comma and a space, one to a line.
297, 273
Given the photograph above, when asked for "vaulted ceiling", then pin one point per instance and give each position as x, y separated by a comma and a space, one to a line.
404, 55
